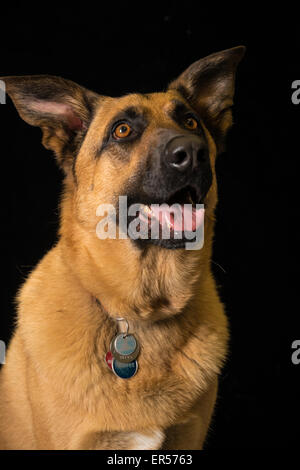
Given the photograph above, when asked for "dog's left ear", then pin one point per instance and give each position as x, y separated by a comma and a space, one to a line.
208, 85
60, 107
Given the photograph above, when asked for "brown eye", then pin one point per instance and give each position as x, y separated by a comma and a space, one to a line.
122, 130
191, 123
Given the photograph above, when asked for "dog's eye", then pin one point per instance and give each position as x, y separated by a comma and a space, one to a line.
122, 130
191, 123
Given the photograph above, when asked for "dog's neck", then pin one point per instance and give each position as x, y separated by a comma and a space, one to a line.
152, 284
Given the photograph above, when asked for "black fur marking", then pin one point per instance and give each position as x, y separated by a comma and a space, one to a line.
184, 92
181, 111
159, 302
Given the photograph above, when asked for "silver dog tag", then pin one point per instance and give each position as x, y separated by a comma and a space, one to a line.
124, 348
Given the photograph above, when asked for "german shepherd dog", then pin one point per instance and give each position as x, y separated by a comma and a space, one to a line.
57, 391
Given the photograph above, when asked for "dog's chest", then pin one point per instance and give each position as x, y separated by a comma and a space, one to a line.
170, 379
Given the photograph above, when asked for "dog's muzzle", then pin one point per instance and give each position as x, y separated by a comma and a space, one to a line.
175, 162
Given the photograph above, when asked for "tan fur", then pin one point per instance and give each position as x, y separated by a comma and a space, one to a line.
56, 389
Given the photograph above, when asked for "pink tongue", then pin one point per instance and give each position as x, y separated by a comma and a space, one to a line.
181, 217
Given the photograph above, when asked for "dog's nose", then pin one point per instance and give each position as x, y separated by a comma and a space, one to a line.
184, 153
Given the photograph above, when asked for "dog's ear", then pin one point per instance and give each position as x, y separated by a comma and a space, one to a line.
61, 108
208, 85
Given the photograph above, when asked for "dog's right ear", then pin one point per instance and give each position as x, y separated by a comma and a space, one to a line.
61, 108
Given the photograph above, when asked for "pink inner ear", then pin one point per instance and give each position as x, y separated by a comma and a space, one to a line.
65, 111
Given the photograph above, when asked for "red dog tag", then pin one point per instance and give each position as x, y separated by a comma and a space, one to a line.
109, 359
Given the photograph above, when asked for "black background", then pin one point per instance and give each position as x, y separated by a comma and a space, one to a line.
125, 48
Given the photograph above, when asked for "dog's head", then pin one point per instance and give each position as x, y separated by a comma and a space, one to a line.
156, 148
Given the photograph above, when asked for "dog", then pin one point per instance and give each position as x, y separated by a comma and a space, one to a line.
57, 390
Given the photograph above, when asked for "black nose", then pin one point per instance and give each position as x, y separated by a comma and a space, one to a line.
184, 153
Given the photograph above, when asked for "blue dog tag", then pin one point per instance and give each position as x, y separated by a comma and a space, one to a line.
124, 370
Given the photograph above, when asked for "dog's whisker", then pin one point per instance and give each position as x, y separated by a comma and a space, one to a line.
217, 264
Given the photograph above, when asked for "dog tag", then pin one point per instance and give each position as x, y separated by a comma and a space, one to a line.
124, 370
125, 348
109, 359
125, 344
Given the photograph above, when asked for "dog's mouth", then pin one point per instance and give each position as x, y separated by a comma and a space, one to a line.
180, 213
172, 222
